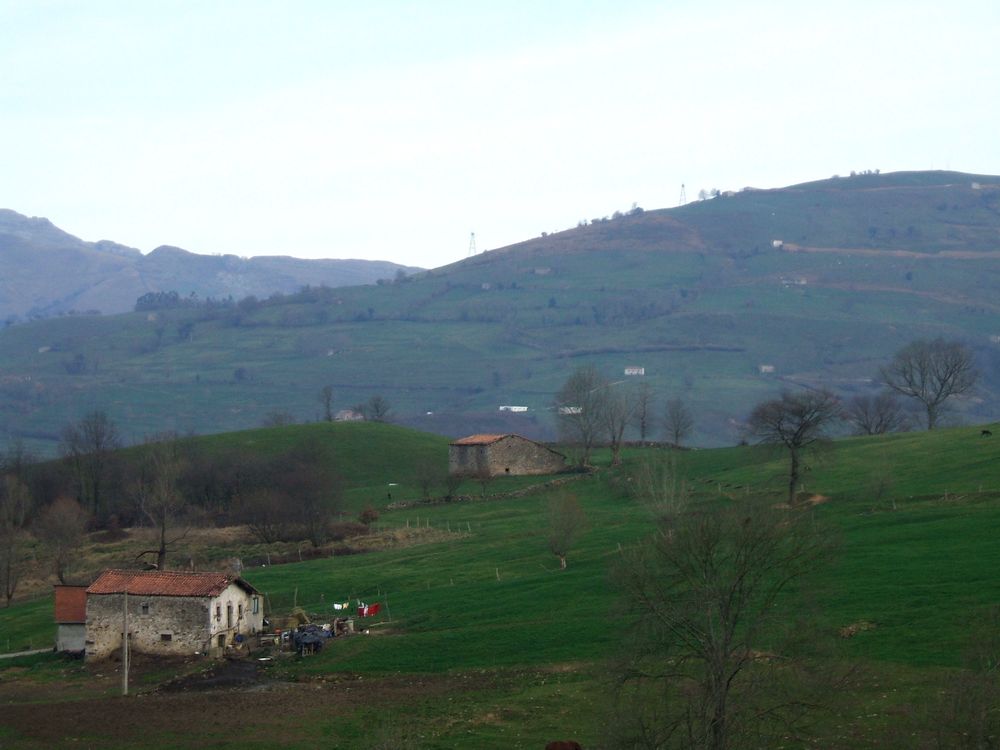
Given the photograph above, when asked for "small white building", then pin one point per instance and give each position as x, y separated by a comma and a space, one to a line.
635, 370
518, 409
765, 369
170, 612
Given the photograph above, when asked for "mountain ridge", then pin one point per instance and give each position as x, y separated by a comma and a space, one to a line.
47, 271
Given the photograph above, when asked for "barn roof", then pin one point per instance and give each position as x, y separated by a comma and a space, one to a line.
483, 439
165, 583
71, 604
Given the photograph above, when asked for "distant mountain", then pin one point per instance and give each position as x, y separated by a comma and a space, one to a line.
719, 302
45, 271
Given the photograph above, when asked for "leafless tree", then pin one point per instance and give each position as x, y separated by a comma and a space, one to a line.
677, 421
61, 528
617, 412
567, 521
876, 415
657, 483
377, 409
931, 372
644, 399
704, 590
15, 552
158, 497
89, 447
795, 421
326, 398
579, 406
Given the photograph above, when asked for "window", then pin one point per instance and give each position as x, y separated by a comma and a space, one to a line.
166, 636
218, 611
256, 604
145, 608
229, 615
239, 613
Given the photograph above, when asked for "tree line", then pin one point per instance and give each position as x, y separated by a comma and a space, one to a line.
170, 484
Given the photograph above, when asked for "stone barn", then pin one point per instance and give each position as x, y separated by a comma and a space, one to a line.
501, 455
170, 613
71, 618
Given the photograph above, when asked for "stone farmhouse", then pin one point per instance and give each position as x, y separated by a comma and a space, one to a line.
502, 455
170, 612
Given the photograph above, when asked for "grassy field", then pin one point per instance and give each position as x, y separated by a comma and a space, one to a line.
483, 642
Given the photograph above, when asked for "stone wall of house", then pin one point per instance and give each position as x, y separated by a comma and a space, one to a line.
174, 625
232, 613
466, 460
515, 455
512, 455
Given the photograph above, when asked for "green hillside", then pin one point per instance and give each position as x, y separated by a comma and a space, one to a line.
487, 607
699, 295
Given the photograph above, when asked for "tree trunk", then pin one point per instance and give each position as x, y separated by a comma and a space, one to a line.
562, 562
793, 477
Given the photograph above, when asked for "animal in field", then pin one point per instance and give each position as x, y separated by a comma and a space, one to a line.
563, 745
985, 433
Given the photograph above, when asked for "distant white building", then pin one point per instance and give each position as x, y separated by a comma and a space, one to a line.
777, 244
995, 339
635, 370
571, 410
514, 408
348, 415
765, 369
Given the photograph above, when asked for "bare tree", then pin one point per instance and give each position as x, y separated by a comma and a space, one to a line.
158, 496
705, 590
644, 399
89, 446
795, 421
657, 483
579, 408
377, 409
617, 412
931, 372
15, 553
61, 528
326, 398
876, 415
677, 421
567, 521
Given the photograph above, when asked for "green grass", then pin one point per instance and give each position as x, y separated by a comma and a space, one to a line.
918, 561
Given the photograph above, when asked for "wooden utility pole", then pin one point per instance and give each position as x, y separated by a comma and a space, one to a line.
125, 642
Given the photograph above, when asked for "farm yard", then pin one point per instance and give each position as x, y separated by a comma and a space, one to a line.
484, 642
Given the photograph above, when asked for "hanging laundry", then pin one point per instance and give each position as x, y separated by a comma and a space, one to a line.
368, 610
345, 605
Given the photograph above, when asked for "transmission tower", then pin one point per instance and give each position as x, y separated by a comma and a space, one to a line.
684, 196
472, 244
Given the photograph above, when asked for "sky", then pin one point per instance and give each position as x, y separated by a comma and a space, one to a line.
393, 130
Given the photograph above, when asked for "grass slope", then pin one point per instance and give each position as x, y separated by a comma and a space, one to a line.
697, 295
914, 514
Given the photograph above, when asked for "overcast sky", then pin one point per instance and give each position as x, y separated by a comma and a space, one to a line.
391, 130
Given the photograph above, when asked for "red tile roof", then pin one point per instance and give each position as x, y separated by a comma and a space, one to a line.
164, 583
71, 604
480, 439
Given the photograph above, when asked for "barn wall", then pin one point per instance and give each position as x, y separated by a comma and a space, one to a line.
183, 618
512, 455
518, 456
466, 460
